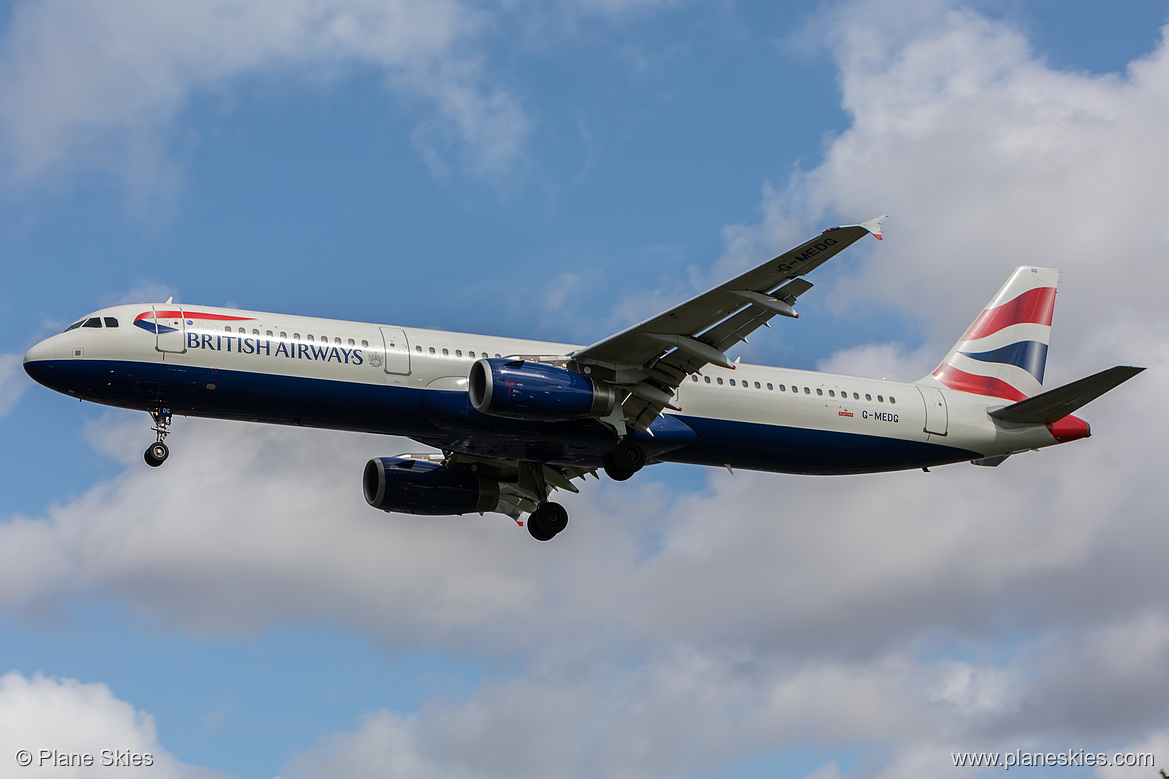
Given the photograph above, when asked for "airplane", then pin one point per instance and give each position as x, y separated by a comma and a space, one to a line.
514, 420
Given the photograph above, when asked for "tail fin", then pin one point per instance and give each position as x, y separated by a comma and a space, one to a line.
1004, 352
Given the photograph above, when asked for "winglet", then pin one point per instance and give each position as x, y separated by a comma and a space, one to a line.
874, 226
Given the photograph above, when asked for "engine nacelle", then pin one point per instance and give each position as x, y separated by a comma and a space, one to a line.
521, 389
420, 487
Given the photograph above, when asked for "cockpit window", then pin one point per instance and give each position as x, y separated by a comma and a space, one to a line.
110, 321
93, 321
75, 325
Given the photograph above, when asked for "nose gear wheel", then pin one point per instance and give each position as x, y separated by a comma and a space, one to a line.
157, 452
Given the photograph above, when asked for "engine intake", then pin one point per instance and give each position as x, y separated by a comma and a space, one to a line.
521, 389
420, 487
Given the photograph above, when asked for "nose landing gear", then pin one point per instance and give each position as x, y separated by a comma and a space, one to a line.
157, 452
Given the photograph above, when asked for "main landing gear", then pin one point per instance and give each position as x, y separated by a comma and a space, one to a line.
626, 459
157, 452
547, 520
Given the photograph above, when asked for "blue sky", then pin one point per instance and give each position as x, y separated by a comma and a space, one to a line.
560, 171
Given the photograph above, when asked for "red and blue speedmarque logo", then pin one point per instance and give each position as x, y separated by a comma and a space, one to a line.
150, 321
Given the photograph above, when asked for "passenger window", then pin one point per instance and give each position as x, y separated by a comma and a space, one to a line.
868, 396
309, 337
283, 336
255, 331
719, 379
732, 382
757, 385
471, 355
880, 399
268, 333
706, 379
351, 343
497, 355
92, 322
807, 391
364, 344
337, 341
694, 377
856, 396
819, 391
418, 349
783, 388
111, 322
432, 350
445, 353
296, 336
831, 394
892, 399
769, 386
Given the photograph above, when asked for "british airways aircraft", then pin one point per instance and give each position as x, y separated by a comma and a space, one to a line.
515, 420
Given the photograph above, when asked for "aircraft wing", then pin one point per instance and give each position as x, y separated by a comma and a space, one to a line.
651, 359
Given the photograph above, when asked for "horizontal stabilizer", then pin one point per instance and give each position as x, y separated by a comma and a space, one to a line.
1053, 405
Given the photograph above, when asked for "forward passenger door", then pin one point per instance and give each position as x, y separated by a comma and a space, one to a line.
170, 329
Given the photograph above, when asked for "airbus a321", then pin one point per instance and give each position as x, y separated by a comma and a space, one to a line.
514, 420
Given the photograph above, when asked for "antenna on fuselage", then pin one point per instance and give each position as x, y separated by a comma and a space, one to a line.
169, 300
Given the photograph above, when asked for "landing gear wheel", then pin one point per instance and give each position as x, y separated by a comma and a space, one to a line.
548, 520
626, 459
156, 454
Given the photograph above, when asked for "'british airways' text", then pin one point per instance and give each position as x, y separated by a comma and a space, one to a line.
294, 350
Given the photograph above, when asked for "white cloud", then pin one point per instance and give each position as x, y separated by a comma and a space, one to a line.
44, 714
102, 85
986, 159
676, 717
13, 381
880, 361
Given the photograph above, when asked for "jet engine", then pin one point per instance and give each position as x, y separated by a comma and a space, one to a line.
420, 487
522, 389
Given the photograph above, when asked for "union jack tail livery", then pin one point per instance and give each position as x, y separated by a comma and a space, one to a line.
1004, 351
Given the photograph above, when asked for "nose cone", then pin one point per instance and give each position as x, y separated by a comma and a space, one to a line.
38, 361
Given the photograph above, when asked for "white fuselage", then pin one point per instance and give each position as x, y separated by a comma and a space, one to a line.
281, 368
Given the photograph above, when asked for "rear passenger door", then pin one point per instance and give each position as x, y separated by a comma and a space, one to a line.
936, 417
